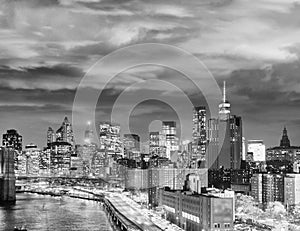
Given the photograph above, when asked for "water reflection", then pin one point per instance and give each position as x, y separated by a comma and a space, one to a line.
38, 212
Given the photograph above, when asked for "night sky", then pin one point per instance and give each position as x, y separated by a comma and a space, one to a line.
47, 46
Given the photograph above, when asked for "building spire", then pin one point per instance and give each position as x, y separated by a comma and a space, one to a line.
224, 91
285, 142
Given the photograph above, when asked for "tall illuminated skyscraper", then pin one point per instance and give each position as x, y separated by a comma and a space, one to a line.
29, 161
224, 157
227, 134
170, 137
199, 135
65, 132
131, 144
212, 143
110, 139
236, 141
154, 148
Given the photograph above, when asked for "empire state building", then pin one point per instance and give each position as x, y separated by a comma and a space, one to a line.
224, 106
224, 138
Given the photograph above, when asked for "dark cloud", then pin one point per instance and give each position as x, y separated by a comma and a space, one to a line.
46, 46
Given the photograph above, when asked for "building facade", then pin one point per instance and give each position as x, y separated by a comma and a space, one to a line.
110, 139
224, 138
258, 150
169, 138
199, 135
292, 189
266, 187
65, 133
173, 178
131, 143
194, 212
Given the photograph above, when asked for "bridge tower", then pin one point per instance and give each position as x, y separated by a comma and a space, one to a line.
7, 175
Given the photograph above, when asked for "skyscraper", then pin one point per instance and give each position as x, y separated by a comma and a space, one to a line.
170, 138
12, 139
212, 143
29, 161
225, 138
224, 157
154, 148
65, 132
236, 141
110, 139
131, 144
89, 134
59, 154
199, 134
50, 136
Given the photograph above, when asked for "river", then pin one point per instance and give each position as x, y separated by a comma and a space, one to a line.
39, 212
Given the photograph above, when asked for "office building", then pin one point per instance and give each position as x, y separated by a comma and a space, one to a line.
59, 154
87, 153
169, 138
193, 212
131, 143
229, 153
100, 164
224, 138
50, 136
174, 178
110, 140
65, 133
244, 152
89, 136
212, 144
199, 135
29, 161
154, 144
12, 139
236, 142
267, 187
258, 150
292, 189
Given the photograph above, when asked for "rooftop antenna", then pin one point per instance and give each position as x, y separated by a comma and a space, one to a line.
224, 91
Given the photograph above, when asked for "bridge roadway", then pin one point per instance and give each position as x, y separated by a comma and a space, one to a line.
133, 214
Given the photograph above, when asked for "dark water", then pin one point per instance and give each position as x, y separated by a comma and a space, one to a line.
38, 212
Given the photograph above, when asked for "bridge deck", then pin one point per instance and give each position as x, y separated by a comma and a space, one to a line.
133, 214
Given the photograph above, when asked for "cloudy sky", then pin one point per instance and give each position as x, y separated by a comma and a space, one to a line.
47, 46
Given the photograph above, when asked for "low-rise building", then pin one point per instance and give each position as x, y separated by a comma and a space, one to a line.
194, 212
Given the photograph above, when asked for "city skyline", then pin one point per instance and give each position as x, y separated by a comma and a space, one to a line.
150, 115
146, 142
43, 60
